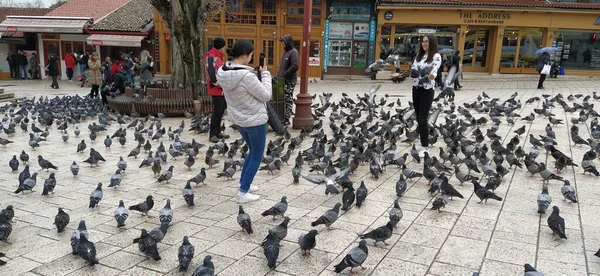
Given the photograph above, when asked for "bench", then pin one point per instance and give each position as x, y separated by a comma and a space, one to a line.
171, 102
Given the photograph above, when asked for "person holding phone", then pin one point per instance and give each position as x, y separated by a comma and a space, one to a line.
246, 98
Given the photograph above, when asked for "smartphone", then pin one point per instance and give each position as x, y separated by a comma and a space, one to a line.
261, 60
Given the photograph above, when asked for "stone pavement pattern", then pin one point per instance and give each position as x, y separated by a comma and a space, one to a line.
496, 238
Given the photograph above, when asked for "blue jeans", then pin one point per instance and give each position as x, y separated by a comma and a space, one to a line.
256, 139
130, 78
23, 71
82, 68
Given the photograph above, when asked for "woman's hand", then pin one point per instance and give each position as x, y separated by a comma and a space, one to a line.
394, 75
264, 67
431, 77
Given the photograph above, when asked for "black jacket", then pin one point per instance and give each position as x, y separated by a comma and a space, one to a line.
22, 60
541, 61
119, 80
52, 67
12, 60
290, 60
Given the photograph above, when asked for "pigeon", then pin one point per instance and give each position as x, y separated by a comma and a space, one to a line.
229, 172
188, 194
144, 207
361, 194
165, 176
166, 213
396, 214
96, 196
410, 174
49, 184
482, 193
401, 186
9, 212
28, 183
278, 209
121, 214
447, 189
380, 234
185, 254
147, 245
308, 242
61, 220
135, 152
107, 142
440, 202
587, 165
547, 175
329, 217
14, 164
568, 192
156, 167
207, 268
356, 257
74, 169
244, 221
81, 146
348, 198
122, 164
45, 164
280, 230
271, 249
543, 200
199, 178
24, 157
189, 161
530, 271
556, 223
77, 234
5, 227
86, 250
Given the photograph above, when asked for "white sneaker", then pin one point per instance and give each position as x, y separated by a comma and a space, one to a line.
246, 197
422, 151
253, 188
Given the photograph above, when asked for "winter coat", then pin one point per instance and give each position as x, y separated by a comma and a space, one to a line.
245, 95
95, 72
83, 60
22, 60
213, 60
106, 71
12, 60
289, 61
119, 79
115, 67
69, 61
33, 63
52, 67
145, 73
541, 61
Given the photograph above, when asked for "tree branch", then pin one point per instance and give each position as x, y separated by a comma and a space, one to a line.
165, 9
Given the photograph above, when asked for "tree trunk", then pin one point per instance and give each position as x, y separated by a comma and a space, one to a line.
186, 20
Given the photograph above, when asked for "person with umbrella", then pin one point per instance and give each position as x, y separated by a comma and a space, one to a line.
542, 60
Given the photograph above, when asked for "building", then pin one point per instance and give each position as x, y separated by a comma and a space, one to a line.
14, 41
342, 38
495, 36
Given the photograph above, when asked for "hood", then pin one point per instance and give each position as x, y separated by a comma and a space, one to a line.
230, 75
288, 41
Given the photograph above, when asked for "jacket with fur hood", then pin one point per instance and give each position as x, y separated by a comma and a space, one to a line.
245, 95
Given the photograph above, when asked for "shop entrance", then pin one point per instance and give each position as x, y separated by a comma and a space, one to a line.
476, 53
52, 48
359, 58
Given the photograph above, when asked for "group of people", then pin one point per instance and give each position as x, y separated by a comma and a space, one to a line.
21, 66
451, 62
246, 93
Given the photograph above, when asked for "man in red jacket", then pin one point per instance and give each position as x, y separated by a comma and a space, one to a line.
214, 61
69, 63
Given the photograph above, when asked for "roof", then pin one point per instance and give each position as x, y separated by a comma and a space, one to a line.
541, 4
4, 12
43, 24
131, 17
96, 9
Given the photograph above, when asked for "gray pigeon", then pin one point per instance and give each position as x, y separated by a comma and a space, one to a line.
185, 254
86, 250
49, 184
188, 194
278, 209
166, 213
401, 186
189, 161
396, 214
207, 268
356, 257
165, 176
380, 234
148, 246
122, 164
74, 169
121, 214
308, 242
61, 220
271, 249
76, 235
280, 230
144, 207
28, 183
568, 192
543, 200
329, 217
5, 227
556, 223
107, 142
361, 194
199, 178
530, 271
244, 221
96, 196
115, 179
14, 164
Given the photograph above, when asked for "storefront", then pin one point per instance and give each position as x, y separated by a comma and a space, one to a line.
495, 39
349, 37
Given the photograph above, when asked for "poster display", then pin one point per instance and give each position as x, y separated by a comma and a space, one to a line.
340, 30
361, 31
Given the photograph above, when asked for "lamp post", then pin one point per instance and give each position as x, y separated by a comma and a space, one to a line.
303, 117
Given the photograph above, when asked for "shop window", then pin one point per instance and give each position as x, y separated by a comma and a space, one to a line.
241, 12
268, 47
295, 12
519, 46
577, 50
509, 47
407, 39
384, 41
269, 11
231, 41
350, 10
209, 43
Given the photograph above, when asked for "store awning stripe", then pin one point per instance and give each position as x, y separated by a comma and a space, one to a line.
43, 25
115, 40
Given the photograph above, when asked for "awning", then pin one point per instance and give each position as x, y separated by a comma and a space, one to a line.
115, 40
44, 24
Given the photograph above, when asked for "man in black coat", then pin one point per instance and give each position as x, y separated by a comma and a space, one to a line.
287, 71
22, 62
52, 69
11, 58
455, 61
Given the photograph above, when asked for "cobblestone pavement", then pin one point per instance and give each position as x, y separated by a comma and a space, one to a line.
496, 238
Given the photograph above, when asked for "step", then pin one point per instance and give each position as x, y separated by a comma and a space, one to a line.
1, 90
7, 96
346, 77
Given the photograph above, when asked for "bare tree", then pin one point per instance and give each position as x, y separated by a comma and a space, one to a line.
186, 20
22, 4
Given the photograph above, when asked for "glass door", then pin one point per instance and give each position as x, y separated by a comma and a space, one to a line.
52, 48
359, 58
475, 53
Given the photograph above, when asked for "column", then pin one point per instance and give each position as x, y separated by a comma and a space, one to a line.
460, 40
497, 49
42, 55
547, 37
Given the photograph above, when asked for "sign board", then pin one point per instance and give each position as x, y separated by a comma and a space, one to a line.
340, 30
388, 15
314, 61
97, 42
361, 31
326, 46
11, 29
496, 18
426, 31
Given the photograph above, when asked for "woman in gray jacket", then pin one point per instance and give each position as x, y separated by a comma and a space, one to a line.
246, 98
144, 67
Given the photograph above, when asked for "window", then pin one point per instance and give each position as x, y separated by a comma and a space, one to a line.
209, 43
269, 13
577, 49
407, 39
295, 12
520, 43
509, 47
231, 41
240, 11
268, 47
384, 41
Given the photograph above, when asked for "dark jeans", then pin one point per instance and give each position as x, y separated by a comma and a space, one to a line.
541, 81
104, 96
219, 106
457, 83
70, 73
422, 99
54, 82
94, 91
23, 71
14, 72
256, 138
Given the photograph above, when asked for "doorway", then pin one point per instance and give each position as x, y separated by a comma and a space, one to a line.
475, 51
359, 58
52, 48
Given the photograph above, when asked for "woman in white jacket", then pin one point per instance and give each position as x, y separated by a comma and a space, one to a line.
246, 98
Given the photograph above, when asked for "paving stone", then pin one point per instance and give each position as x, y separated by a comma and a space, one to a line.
511, 252
232, 248
391, 266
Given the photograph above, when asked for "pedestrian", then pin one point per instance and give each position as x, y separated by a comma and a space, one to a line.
287, 71
439, 82
116, 66
456, 64
106, 75
128, 66
33, 65
423, 86
69, 63
143, 65
214, 61
246, 97
11, 58
541, 61
52, 69
22, 61
95, 78
83, 64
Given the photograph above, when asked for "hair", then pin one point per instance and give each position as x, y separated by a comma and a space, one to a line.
432, 50
240, 48
457, 52
144, 56
95, 54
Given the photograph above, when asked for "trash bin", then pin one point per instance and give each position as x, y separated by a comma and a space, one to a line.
278, 97
561, 71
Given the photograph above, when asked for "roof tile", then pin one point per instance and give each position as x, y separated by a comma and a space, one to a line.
4, 12
96, 9
499, 3
131, 17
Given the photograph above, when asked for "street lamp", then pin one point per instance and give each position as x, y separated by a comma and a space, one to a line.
303, 117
